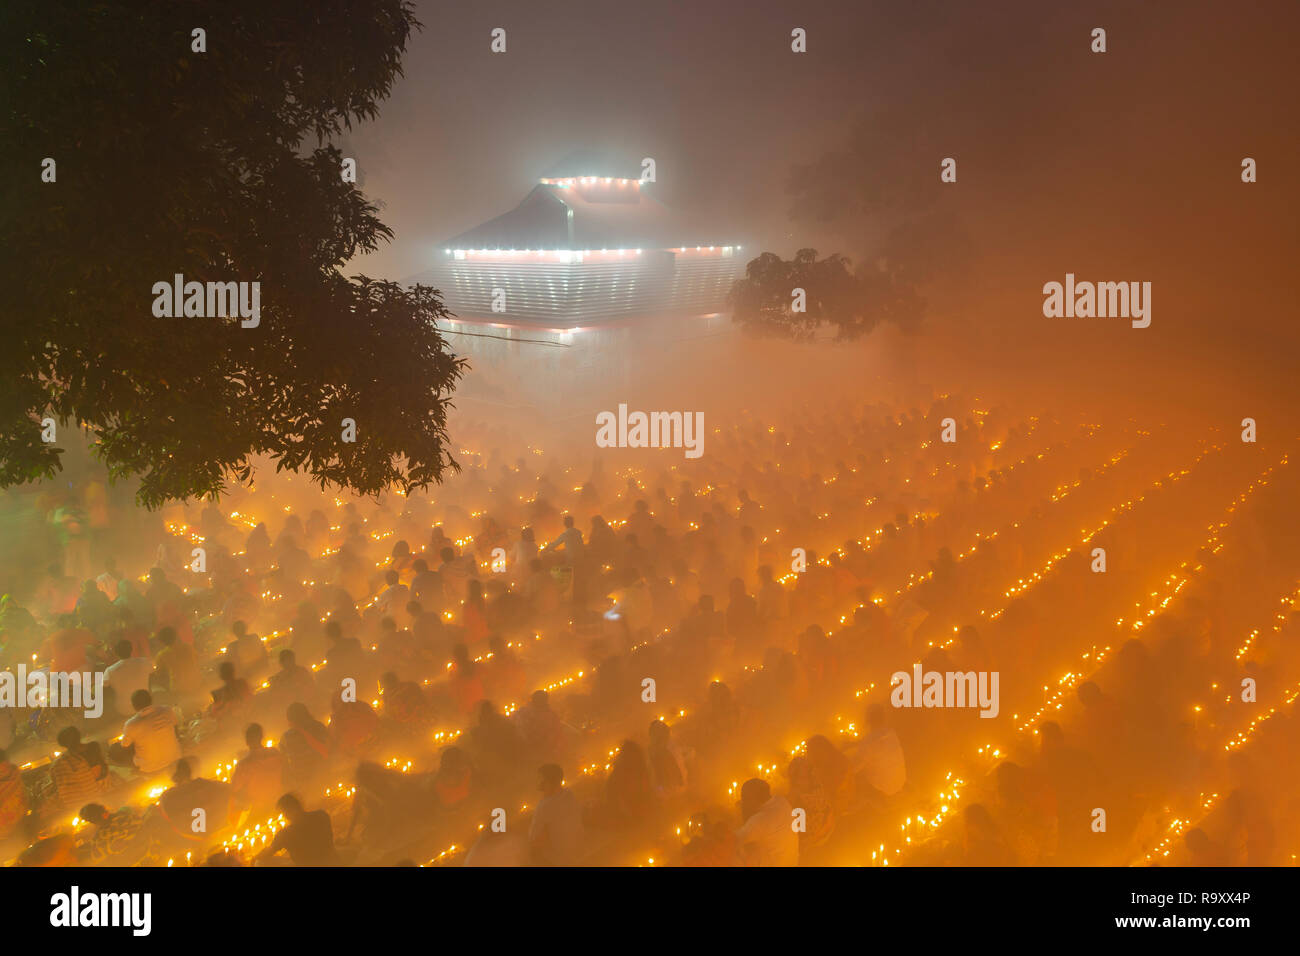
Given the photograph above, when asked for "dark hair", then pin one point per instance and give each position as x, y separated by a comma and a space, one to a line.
93, 812
755, 791
288, 804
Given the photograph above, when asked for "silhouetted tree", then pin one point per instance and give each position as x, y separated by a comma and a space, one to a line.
762, 300
852, 302
217, 166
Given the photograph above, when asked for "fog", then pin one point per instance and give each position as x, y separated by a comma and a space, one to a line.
1098, 514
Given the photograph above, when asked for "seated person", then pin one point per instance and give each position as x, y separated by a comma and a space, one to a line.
128, 675
149, 740
542, 730
176, 668
354, 725
766, 837
403, 702
128, 836
247, 651
230, 699
68, 649
308, 837
292, 681
80, 772
306, 745
556, 836
258, 780
667, 762
195, 807
345, 653
454, 780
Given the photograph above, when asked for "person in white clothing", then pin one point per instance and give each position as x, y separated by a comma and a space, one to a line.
126, 676
569, 542
879, 755
767, 837
150, 736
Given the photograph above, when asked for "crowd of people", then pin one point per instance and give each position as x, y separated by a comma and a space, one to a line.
620, 658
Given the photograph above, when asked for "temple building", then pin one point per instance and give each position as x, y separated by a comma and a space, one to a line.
589, 245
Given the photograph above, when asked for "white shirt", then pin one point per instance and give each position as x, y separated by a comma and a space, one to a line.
770, 834
153, 731
393, 600
571, 540
126, 677
558, 819
108, 584
880, 758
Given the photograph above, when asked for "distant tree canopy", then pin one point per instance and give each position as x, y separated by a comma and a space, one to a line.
217, 166
834, 294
